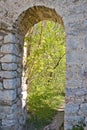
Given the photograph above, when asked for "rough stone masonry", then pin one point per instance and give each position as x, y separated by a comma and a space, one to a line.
16, 18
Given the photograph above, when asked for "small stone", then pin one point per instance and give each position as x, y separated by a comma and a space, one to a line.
7, 95
19, 70
9, 48
10, 83
10, 66
72, 108
9, 58
72, 43
74, 119
6, 122
85, 22
8, 74
10, 38
5, 110
12, 116
18, 82
19, 91
83, 108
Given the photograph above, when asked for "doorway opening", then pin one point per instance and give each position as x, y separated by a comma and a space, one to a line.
38, 50
45, 72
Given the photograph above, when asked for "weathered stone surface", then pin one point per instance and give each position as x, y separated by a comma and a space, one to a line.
9, 66
19, 82
8, 74
16, 17
6, 122
10, 38
10, 49
19, 70
72, 108
19, 91
7, 95
86, 42
10, 83
72, 43
6, 110
84, 108
1, 86
74, 119
9, 58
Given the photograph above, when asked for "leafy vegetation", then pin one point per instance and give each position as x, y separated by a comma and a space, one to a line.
76, 127
46, 67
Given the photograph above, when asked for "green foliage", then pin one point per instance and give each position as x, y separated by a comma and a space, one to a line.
46, 67
76, 127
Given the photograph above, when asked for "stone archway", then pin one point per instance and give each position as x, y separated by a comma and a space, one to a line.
15, 21
24, 22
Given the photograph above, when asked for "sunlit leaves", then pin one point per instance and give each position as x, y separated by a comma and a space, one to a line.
46, 68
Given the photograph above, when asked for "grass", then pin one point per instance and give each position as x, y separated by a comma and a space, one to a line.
41, 113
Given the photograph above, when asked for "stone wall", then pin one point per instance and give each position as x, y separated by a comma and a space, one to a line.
11, 108
16, 17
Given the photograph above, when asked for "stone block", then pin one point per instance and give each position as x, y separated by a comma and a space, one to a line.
7, 95
75, 57
74, 119
18, 82
81, 92
73, 43
72, 108
68, 126
10, 83
9, 58
19, 70
9, 66
8, 74
85, 22
6, 122
9, 48
83, 108
19, 90
4, 110
12, 116
10, 38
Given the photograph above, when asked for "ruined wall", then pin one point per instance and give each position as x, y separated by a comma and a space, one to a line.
16, 17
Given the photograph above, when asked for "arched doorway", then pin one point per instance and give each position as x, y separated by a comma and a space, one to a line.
13, 27
24, 23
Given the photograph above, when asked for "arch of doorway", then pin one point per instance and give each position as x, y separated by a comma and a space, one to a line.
12, 56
